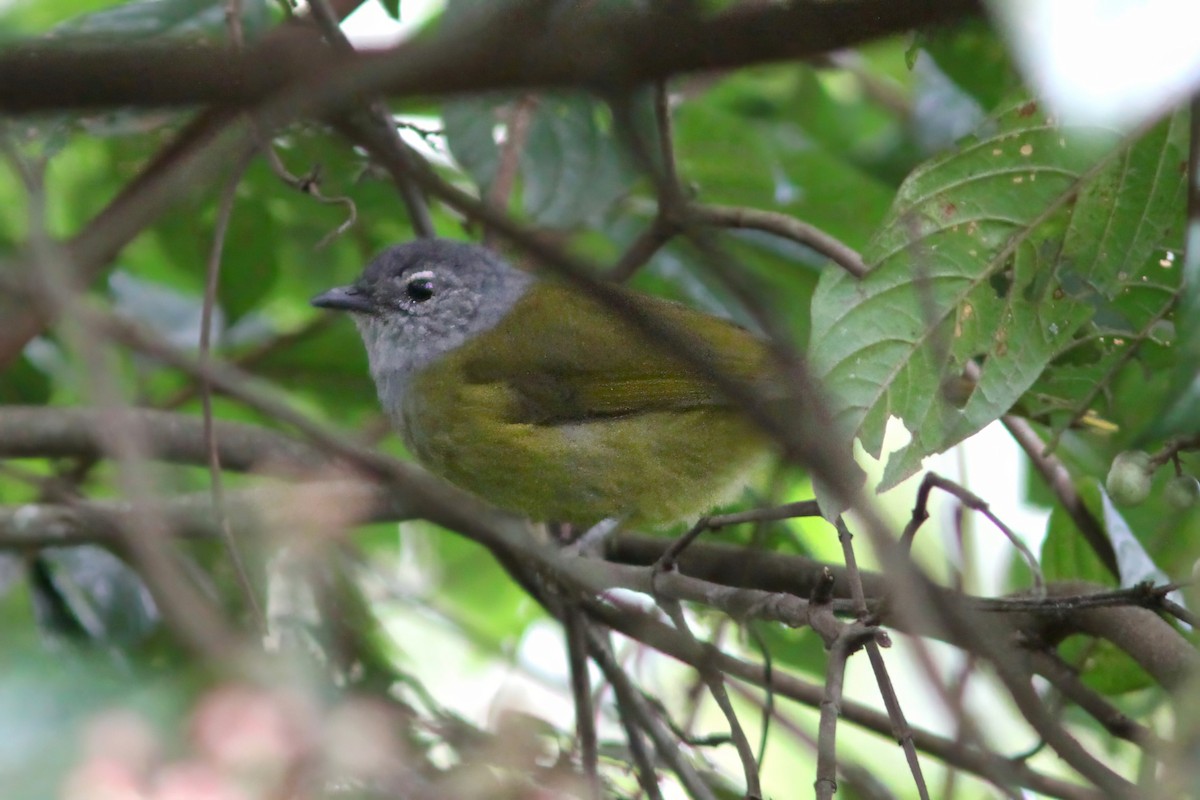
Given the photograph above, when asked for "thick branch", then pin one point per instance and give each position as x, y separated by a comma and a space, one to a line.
580, 49
741, 582
1149, 639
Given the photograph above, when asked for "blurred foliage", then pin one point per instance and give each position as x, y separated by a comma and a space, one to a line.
1041, 254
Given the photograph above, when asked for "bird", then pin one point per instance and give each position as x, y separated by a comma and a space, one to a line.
537, 397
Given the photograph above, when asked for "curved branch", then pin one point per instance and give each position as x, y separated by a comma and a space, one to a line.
785, 227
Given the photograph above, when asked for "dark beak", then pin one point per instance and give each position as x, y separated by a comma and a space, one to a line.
345, 298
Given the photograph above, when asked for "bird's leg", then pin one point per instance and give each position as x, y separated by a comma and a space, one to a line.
591, 543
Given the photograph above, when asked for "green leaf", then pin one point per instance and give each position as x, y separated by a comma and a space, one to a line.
23, 384
974, 57
332, 365
104, 597
249, 260
749, 151
481, 593
1029, 240
1066, 555
470, 127
571, 167
1104, 666
392, 7
145, 18
33, 18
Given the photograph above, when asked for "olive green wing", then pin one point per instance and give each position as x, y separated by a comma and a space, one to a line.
564, 358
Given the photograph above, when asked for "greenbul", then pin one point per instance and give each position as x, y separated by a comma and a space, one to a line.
542, 400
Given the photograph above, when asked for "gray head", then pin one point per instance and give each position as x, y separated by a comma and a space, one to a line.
418, 300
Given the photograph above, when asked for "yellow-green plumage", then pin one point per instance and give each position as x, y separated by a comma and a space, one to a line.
563, 411
544, 401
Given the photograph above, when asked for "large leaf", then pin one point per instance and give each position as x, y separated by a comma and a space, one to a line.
138, 18
470, 127
572, 169
735, 156
571, 165
1030, 240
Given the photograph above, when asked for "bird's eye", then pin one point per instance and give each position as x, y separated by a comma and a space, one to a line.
419, 287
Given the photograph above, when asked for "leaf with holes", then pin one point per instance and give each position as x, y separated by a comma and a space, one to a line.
1030, 241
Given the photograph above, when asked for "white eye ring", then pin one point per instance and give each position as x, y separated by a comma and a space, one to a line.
419, 287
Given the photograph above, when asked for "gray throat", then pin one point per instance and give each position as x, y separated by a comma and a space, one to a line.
400, 345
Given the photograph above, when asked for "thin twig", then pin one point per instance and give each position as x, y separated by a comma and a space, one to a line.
381, 125
1132, 347
257, 354
632, 703
1171, 450
310, 184
716, 688
233, 24
891, 702
216, 484
851, 638
854, 775
768, 704
211, 140
1064, 678
800, 508
979, 761
958, 696
973, 501
516, 131
643, 248
631, 723
188, 611
575, 629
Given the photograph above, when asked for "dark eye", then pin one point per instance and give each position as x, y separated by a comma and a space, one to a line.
419, 287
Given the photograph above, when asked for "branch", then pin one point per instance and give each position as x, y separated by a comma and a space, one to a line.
637, 712
640, 46
746, 584
213, 139
379, 122
47, 432
1060, 674
1059, 480
1154, 643
785, 227
1000, 770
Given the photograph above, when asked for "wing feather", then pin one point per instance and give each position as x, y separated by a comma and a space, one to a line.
577, 361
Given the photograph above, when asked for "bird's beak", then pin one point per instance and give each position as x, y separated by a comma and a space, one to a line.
345, 298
